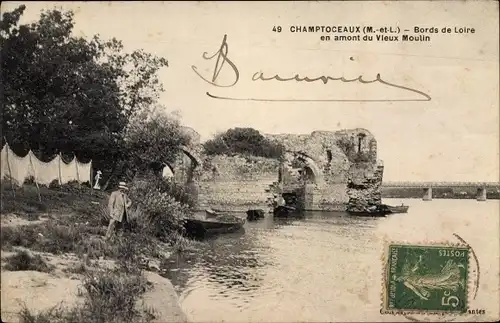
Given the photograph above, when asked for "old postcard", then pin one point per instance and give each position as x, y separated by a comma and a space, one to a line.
250, 161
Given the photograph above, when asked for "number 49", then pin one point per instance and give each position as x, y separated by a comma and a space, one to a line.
448, 300
277, 29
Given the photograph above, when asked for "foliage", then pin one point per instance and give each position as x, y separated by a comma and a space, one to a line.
152, 181
70, 198
112, 294
348, 146
22, 260
247, 141
72, 94
161, 214
52, 315
158, 215
153, 140
178, 191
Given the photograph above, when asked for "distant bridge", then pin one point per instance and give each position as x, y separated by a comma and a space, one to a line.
428, 186
441, 184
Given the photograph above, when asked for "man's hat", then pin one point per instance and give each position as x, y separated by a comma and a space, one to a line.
122, 185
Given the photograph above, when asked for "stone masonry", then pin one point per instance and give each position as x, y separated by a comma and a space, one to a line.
329, 171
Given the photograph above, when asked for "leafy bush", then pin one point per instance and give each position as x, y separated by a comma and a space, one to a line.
55, 314
161, 215
111, 294
22, 260
179, 192
243, 141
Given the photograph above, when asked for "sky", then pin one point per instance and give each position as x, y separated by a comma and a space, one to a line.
452, 137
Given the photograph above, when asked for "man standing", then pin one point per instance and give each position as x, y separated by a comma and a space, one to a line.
118, 206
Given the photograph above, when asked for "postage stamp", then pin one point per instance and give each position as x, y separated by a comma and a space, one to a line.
430, 279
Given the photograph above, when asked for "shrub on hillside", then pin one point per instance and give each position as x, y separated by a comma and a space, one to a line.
157, 211
22, 260
246, 141
179, 192
108, 296
113, 294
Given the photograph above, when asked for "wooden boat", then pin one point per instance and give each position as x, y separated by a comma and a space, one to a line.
283, 211
204, 227
211, 213
382, 211
373, 211
397, 209
368, 214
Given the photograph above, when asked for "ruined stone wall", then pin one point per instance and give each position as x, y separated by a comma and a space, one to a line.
363, 187
236, 183
316, 167
321, 169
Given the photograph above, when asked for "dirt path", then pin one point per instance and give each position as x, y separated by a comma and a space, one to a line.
36, 290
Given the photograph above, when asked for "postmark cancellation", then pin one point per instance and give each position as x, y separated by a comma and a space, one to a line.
426, 279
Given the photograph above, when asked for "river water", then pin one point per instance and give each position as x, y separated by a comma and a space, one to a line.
328, 266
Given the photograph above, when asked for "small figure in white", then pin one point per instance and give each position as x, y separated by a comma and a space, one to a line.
98, 176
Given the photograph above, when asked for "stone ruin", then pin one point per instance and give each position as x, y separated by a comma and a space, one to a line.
324, 170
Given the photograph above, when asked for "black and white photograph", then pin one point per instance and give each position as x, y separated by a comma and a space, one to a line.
278, 161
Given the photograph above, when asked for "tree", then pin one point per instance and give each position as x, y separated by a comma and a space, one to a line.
69, 94
56, 93
156, 139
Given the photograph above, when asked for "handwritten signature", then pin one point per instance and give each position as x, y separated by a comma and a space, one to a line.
222, 59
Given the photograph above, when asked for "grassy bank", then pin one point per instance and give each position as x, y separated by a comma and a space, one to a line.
56, 235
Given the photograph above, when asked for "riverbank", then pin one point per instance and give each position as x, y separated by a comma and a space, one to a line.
56, 266
462, 193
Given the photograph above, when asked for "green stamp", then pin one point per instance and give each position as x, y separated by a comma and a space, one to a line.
426, 279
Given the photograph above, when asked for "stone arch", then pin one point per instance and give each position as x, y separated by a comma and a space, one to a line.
311, 169
195, 159
308, 175
195, 164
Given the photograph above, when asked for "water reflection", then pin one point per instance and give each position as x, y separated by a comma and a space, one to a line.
233, 263
318, 268
236, 264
